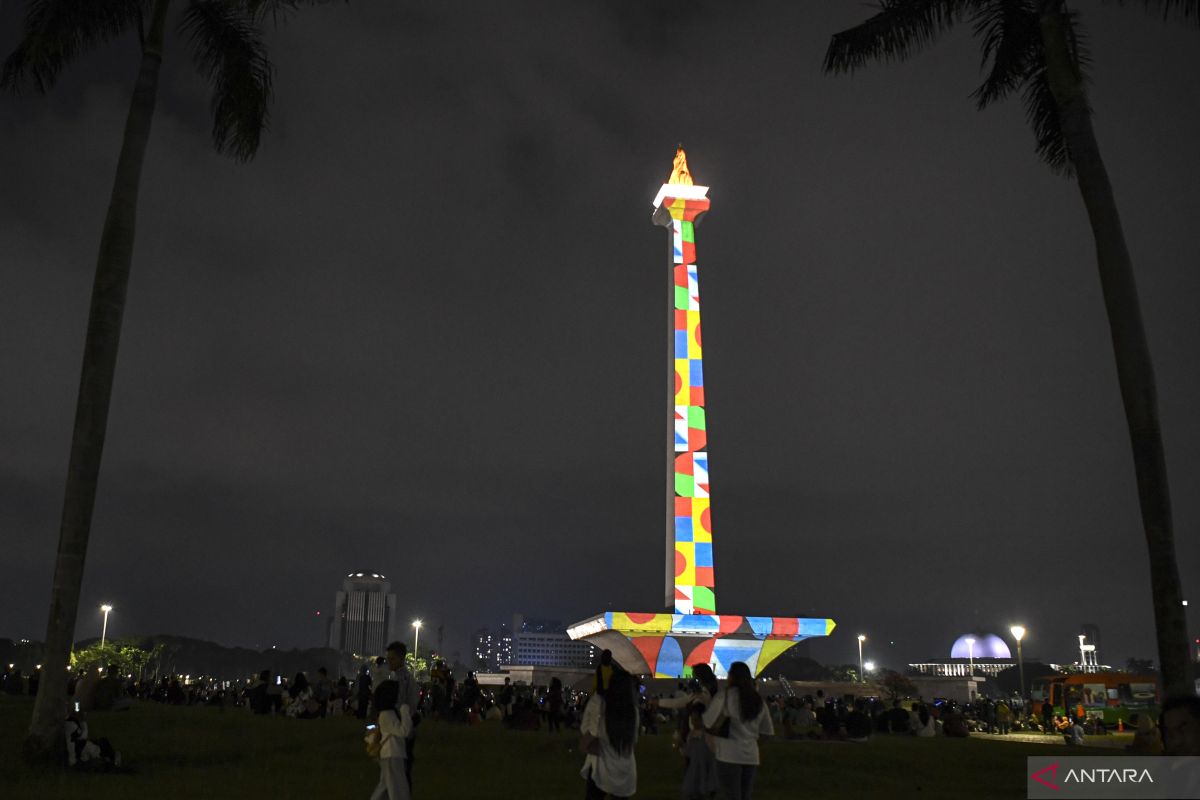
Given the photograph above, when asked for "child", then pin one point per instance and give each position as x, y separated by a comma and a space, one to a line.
700, 775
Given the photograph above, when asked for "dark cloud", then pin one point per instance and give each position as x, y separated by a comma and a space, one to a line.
422, 332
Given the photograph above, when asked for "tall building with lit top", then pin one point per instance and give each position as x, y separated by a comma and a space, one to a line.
364, 615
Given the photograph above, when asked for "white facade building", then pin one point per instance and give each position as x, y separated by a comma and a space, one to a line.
552, 650
364, 615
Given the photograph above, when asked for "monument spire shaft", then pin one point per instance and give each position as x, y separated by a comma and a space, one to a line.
690, 577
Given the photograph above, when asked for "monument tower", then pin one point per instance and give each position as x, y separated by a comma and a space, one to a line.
667, 644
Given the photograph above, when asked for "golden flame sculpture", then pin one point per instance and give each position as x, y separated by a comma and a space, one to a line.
679, 169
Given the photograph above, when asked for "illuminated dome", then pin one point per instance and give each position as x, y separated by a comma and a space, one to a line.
987, 645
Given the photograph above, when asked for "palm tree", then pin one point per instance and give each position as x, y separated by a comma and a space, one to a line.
225, 37
1036, 47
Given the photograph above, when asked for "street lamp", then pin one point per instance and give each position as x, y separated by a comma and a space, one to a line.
971, 653
416, 636
1018, 633
869, 666
104, 630
861, 677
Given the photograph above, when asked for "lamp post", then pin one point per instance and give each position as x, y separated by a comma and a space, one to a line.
416, 636
971, 655
862, 678
104, 630
868, 666
1018, 633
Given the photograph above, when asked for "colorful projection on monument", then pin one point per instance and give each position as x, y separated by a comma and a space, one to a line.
694, 580
668, 645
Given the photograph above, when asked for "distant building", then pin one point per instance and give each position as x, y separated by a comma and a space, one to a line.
530, 641
492, 649
364, 615
986, 653
552, 650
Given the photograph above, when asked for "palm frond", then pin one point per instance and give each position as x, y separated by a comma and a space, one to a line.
58, 31
279, 10
1079, 42
228, 50
1009, 34
1041, 111
900, 29
1182, 10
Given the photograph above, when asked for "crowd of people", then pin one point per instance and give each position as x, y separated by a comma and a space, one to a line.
13, 681
715, 726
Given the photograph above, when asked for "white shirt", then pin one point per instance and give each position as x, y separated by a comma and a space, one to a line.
394, 728
612, 772
741, 746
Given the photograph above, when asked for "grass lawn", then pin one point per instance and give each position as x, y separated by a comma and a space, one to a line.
207, 753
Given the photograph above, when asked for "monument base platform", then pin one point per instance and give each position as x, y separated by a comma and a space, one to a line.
667, 645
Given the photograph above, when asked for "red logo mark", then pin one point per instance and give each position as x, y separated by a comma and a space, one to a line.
1053, 770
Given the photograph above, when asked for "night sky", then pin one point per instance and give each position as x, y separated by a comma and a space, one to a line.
423, 333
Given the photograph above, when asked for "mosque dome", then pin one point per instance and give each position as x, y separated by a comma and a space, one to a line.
986, 645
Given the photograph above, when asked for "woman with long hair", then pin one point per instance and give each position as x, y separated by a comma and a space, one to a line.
607, 734
738, 716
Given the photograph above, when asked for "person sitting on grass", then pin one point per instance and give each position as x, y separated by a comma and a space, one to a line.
921, 722
82, 752
807, 722
301, 703
1074, 736
858, 724
828, 720
897, 718
954, 724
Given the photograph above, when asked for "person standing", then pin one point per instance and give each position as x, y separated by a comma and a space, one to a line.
506, 699
323, 691
739, 704
362, 692
1004, 716
395, 727
1048, 717
554, 705
607, 734
407, 695
988, 715
700, 772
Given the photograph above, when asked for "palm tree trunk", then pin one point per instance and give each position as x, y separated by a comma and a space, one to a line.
1135, 372
95, 391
